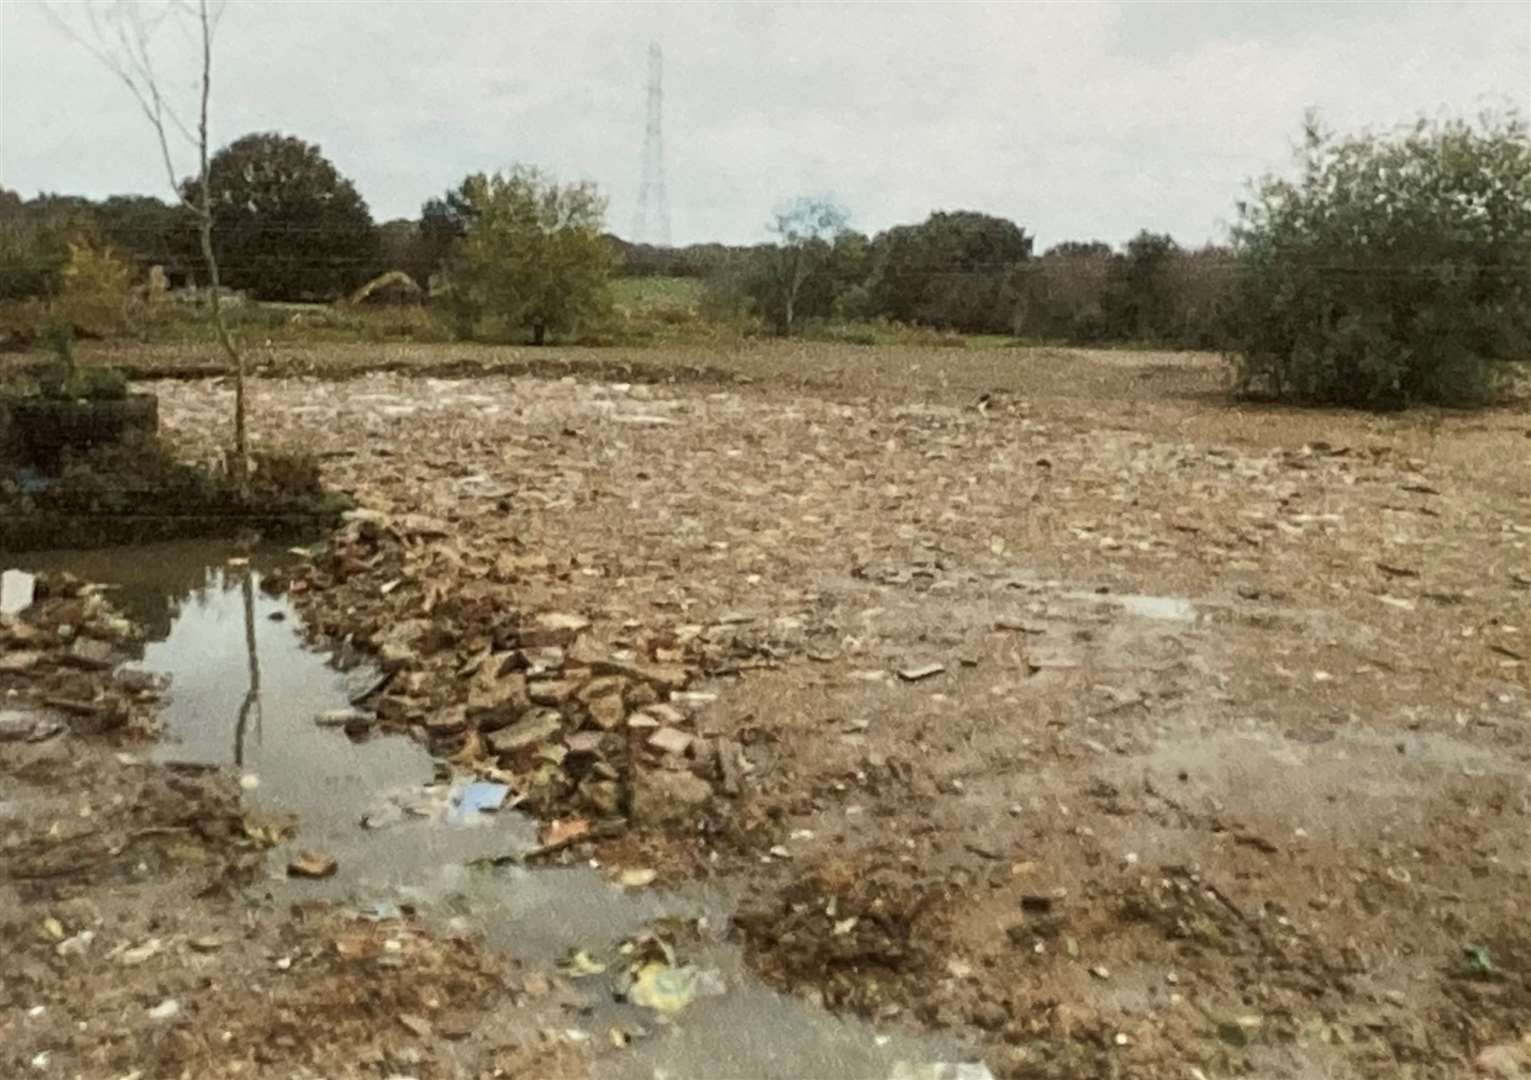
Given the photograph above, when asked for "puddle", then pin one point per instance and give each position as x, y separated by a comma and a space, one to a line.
749, 1030
1172, 608
244, 693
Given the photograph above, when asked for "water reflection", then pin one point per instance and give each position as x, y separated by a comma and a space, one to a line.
245, 690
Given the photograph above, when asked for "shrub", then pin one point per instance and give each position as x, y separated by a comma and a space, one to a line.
957, 271
1395, 271
533, 255
96, 290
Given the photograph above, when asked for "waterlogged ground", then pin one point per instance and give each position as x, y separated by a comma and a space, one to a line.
244, 693
1074, 719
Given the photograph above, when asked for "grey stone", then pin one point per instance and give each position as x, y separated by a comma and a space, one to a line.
16, 663
663, 795
668, 740
91, 654
537, 726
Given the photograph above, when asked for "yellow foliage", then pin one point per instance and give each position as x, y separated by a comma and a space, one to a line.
97, 290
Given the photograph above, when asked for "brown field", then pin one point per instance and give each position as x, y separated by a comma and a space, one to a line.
1227, 762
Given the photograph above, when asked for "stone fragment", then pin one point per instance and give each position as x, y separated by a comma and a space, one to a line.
311, 864
444, 722
537, 726
552, 691
19, 662
584, 742
602, 686
668, 740
91, 654
667, 678
661, 795
608, 712
553, 628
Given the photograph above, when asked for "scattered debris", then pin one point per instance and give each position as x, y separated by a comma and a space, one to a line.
668, 740
479, 797
563, 831
310, 864
1478, 962
638, 878
17, 590
667, 989
579, 964
168, 1009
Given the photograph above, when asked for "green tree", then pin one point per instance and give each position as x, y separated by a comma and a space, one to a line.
1203, 284
443, 222
400, 246
1394, 270
286, 224
960, 270
1065, 295
532, 254
35, 238
806, 230
150, 231
1141, 304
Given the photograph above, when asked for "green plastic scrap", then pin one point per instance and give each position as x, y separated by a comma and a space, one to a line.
1478, 961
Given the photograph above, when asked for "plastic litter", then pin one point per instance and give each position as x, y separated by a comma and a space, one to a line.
467, 803
17, 590
668, 989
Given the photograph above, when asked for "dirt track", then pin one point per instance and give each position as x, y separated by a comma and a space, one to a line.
1226, 766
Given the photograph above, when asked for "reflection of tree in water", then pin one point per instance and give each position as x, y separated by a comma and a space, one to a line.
150, 584
252, 695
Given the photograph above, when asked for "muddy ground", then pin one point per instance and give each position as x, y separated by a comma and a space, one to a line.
1042, 698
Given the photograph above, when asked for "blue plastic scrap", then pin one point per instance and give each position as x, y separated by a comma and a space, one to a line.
479, 797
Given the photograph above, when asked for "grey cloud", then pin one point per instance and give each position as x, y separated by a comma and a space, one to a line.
1077, 120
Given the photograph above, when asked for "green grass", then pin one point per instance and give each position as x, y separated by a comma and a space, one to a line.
647, 312
646, 295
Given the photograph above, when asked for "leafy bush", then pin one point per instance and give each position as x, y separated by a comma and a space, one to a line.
93, 383
958, 271
35, 235
533, 256
1394, 271
96, 292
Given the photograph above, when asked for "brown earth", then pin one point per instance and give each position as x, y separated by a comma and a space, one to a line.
1225, 767
137, 941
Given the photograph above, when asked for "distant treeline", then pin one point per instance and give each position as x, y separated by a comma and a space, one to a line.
975, 273
289, 227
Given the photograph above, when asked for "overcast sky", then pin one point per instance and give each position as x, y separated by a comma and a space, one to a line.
1075, 120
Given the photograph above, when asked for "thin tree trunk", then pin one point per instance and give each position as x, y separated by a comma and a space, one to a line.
790, 283
126, 55
252, 695
240, 466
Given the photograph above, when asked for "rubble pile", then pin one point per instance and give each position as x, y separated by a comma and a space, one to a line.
533, 698
61, 648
